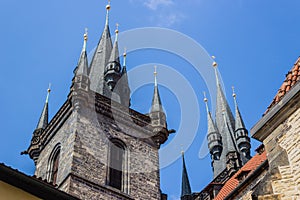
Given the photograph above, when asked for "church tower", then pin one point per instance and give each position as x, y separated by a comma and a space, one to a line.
228, 139
96, 147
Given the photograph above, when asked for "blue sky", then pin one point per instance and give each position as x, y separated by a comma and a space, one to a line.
255, 42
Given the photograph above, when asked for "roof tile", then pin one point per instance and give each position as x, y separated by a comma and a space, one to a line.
292, 77
233, 182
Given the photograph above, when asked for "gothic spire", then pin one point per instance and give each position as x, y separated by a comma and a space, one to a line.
213, 136
239, 122
185, 184
226, 126
43, 121
222, 106
82, 67
112, 70
242, 138
125, 94
100, 58
211, 127
156, 102
114, 56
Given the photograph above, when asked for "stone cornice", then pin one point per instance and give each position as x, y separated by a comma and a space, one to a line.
280, 112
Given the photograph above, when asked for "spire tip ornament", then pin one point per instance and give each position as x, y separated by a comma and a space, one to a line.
117, 28
108, 6
233, 92
48, 92
215, 64
205, 98
155, 75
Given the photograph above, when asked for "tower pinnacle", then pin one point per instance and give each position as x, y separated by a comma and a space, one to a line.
185, 184
43, 121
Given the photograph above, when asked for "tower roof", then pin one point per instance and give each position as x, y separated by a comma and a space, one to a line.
156, 102
185, 184
224, 119
100, 58
43, 121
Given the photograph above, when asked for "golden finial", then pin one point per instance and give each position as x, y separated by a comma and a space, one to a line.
215, 64
124, 57
108, 5
117, 28
125, 52
205, 99
233, 92
85, 36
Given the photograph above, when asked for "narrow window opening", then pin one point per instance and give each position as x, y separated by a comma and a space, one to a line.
116, 165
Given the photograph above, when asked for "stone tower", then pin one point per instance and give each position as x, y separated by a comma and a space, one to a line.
96, 147
228, 139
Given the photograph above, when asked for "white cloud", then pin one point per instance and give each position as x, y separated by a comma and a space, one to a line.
154, 4
168, 20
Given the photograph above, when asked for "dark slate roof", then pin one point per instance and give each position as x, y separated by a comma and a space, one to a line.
43, 121
99, 61
292, 77
32, 185
156, 102
185, 184
239, 122
82, 66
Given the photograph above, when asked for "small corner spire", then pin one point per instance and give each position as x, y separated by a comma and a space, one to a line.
43, 121
82, 66
107, 12
185, 184
156, 101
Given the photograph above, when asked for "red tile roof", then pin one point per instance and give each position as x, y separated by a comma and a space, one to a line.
292, 77
233, 182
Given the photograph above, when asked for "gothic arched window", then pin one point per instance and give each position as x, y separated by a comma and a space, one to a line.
53, 164
117, 164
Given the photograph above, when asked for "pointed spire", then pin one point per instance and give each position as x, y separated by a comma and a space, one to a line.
222, 107
114, 56
82, 67
211, 128
156, 102
242, 138
185, 184
214, 138
100, 58
239, 122
43, 121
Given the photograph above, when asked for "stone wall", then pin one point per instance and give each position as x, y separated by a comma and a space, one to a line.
85, 138
283, 147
